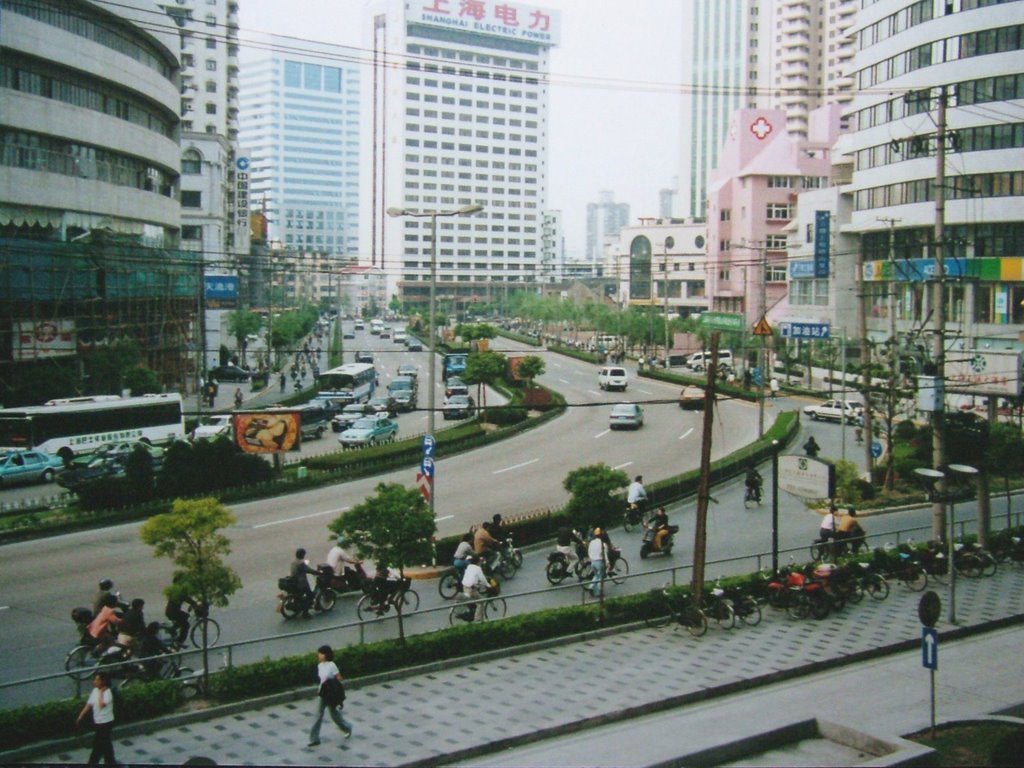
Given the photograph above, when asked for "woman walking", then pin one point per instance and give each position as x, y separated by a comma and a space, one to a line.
101, 703
331, 695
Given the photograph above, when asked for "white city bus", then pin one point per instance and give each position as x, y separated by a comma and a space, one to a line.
348, 383
79, 425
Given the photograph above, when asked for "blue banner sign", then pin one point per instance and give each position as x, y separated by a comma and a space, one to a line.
221, 286
801, 268
804, 330
822, 242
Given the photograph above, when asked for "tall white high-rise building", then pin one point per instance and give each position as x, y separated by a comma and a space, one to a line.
793, 55
300, 125
460, 117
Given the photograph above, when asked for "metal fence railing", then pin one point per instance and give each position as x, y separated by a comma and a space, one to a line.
59, 684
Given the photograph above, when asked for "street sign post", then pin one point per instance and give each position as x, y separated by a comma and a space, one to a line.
876, 449
929, 608
929, 648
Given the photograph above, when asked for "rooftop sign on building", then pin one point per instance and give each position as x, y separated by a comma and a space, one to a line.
518, 21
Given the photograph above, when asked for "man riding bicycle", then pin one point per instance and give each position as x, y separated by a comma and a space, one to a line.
636, 492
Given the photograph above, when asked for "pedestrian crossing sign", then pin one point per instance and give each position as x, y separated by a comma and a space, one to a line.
762, 328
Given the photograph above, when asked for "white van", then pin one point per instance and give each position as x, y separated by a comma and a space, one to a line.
612, 377
698, 360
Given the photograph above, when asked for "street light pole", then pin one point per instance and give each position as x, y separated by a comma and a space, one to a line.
466, 210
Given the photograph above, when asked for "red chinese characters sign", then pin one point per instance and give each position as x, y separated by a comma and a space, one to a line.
491, 17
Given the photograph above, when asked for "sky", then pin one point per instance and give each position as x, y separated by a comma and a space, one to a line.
614, 98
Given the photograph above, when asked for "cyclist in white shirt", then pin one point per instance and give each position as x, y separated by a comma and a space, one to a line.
597, 551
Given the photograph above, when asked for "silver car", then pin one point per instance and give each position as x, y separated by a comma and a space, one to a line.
626, 415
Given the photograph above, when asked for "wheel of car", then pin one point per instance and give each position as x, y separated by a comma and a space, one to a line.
814, 415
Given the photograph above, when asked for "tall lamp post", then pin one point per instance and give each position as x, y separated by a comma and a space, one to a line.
465, 210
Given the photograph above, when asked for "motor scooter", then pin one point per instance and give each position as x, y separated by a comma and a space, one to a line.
649, 545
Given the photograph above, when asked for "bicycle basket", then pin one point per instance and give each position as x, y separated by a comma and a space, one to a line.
285, 583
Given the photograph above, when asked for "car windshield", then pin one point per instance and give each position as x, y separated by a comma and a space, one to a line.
458, 400
364, 423
624, 410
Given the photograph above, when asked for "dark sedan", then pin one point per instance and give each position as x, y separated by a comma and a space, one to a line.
230, 373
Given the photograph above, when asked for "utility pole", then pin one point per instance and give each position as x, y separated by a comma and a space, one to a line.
894, 358
763, 247
939, 318
700, 531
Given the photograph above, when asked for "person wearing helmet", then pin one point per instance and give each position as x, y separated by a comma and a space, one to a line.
343, 565
597, 551
106, 588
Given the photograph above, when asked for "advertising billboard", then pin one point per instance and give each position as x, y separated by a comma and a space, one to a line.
268, 432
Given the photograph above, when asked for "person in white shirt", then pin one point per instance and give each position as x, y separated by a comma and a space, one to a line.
474, 583
597, 551
326, 669
636, 491
101, 704
342, 563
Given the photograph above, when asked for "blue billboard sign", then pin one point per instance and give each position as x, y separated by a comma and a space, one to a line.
221, 287
822, 242
805, 330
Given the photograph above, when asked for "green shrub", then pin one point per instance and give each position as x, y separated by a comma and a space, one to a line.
505, 415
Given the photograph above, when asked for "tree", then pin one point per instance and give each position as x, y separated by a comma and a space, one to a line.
105, 367
530, 368
190, 536
483, 369
592, 501
393, 528
141, 380
1005, 455
241, 325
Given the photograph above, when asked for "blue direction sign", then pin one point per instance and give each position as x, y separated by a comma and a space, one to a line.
929, 648
428, 445
876, 449
805, 330
427, 466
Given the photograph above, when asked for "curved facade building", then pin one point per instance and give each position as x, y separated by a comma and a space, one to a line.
89, 202
913, 54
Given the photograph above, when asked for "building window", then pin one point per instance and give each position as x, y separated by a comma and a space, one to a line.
191, 199
779, 212
779, 182
775, 242
211, 65
191, 233
726, 214
191, 162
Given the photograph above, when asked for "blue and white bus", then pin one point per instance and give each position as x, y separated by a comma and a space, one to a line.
79, 425
348, 383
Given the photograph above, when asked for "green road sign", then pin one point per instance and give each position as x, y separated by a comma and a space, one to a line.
721, 321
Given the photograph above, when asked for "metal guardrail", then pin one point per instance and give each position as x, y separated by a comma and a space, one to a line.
60, 684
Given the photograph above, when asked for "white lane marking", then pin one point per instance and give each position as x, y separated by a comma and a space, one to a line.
515, 466
623, 466
446, 517
645, 391
301, 517
601, 434
563, 381
686, 433
5, 607
592, 392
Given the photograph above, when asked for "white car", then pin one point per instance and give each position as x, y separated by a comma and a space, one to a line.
834, 410
215, 426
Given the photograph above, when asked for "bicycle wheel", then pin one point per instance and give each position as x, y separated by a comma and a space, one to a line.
819, 604
459, 613
556, 571
167, 634
505, 568
212, 633
877, 587
694, 620
630, 521
723, 614
363, 609
914, 577
988, 564
326, 599
495, 608
968, 566
619, 571
410, 600
799, 606
517, 558
290, 608
819, 550
79, 663
749, 611
448, 585
584, 571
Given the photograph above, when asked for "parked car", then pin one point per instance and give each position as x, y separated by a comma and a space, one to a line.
691, 399
369, 431
458, 407
215, 426
28, 467
350, 414
230, 373
835, 410
626, 415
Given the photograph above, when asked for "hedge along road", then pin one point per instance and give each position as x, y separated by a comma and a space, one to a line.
45, 579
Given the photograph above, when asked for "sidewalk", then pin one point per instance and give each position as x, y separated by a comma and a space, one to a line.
861, 667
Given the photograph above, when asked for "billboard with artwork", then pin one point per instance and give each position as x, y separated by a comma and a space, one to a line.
268, 432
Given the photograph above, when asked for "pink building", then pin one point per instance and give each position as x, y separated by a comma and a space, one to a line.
752, 196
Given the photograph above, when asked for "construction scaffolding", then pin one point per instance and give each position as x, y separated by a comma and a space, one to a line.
60, 301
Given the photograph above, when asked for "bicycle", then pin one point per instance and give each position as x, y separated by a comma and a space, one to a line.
400, 597
679, 608
489, 606
618, 569
719, 607
973, 561
753, 494
168, 633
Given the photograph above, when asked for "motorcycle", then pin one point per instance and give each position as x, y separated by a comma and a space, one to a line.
351, 579
292, 601
650, 546
753, 494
